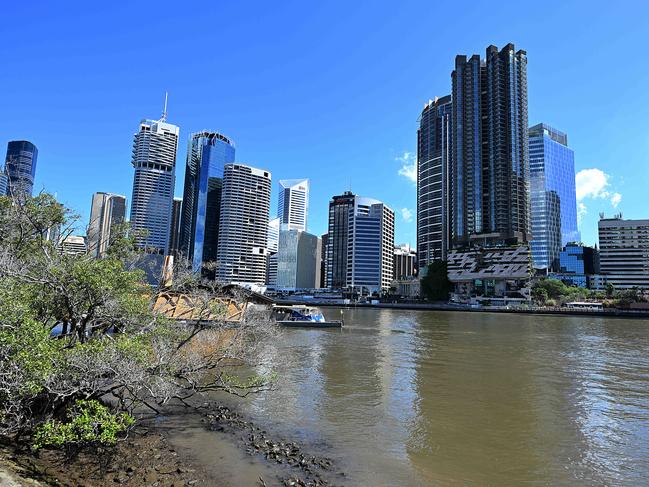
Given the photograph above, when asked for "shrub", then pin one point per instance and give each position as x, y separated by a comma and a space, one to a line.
90, 423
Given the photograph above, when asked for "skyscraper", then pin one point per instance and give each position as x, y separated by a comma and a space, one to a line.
154, 160
433, 178
360, 244
20, 168
340, 208
174, 231
293, 203
298, 260
106, 211
490, 162
273, 246
4, 182
243, 233
207, 154
552, 195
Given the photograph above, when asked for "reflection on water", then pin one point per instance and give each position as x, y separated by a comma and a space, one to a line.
441, 398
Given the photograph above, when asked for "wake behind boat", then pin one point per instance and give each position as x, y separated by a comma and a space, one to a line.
303, 317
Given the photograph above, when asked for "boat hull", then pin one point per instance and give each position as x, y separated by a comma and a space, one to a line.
310, 324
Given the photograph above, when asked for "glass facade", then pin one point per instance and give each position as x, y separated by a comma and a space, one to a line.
207, 155
552, 191
20, 168
490, 162
433, 196
297, 259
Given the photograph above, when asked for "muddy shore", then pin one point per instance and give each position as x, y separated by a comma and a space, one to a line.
148, 457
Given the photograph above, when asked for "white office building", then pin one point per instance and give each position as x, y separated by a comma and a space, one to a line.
293, 203
154, 160
624, 252
243, 228
107, 210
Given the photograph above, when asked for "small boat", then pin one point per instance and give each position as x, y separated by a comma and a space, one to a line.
303, 317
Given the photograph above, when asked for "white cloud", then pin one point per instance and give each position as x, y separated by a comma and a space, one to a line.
594, 184
408, 167
581, 211
406, 214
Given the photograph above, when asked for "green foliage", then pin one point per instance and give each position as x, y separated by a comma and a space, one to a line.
435, 285
89, 423
28, 357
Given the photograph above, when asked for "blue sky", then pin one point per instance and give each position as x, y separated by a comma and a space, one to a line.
328, 90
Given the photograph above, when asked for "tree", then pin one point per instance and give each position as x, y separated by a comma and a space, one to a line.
435, 285
112, 343
540, 295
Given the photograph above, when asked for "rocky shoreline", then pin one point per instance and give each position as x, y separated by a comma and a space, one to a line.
299, 468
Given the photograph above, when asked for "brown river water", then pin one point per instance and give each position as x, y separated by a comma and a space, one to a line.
401, 398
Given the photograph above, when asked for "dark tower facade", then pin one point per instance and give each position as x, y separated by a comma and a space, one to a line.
20, 167
490, 160
340, 209
433, 189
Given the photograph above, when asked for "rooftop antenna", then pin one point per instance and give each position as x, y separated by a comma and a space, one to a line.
164, 112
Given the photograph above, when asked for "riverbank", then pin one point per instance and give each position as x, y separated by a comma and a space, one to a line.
144, 458
160, 452
536, 310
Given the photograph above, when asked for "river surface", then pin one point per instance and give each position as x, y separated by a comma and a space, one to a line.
400, 398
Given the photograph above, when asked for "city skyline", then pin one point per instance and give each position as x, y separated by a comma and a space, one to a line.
610, 150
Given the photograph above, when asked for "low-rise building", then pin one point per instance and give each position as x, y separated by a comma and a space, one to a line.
492, 273
577, 262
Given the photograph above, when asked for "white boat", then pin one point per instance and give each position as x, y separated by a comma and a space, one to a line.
303, 317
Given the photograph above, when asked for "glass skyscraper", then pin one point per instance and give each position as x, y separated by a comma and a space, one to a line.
433, 197
552, 195
207, 155
490, 164
20, 168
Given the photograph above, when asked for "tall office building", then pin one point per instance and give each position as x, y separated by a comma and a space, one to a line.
273, 246
107, 210
340, 208
207, 155
490, 162
298, 260
433, 178
243, 229
324, 238
20, 168
552, 195
4, 183
273, 234
360, 244
174, 231
154, 160
293, 203
624, 252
